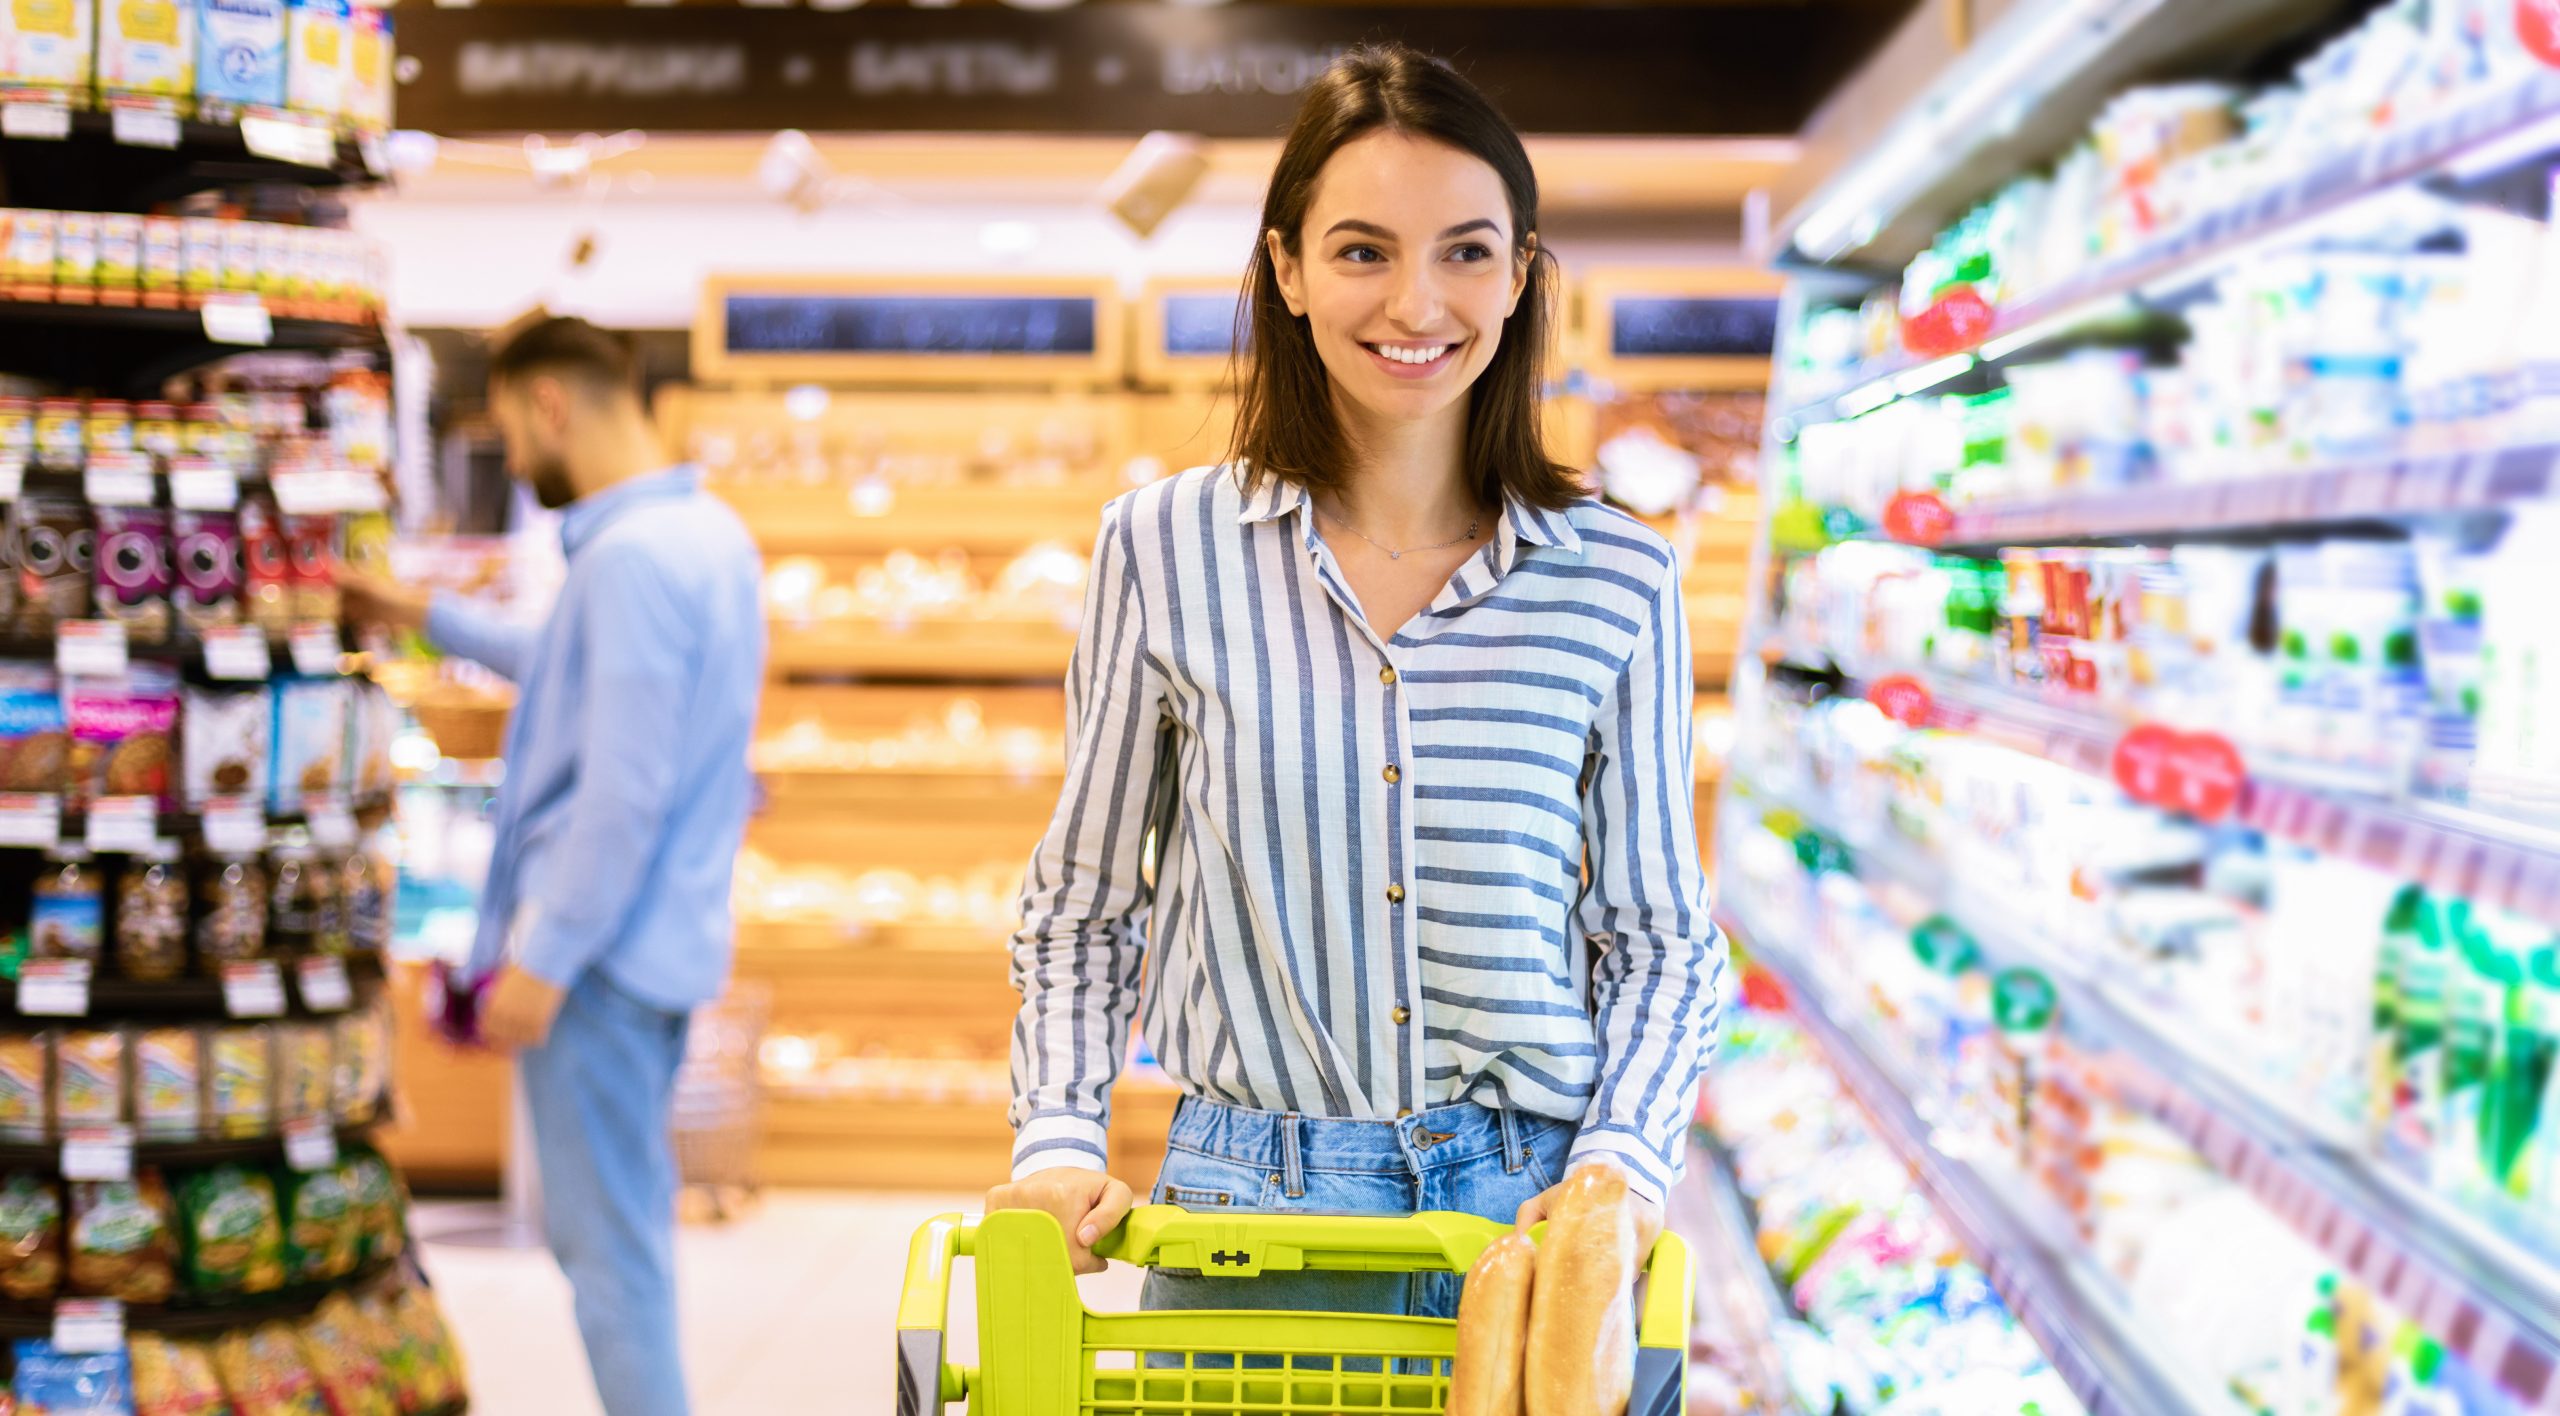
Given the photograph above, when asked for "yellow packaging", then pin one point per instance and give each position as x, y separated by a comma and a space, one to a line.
242, 251
369, 76
304, 1084
24, 1094
240, 1082
75, 253
88, 1073
168, 1082
277, 261
164, 260
45, 47
202, 255
147, 50
31, 243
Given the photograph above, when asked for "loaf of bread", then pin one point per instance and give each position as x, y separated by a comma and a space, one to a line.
1582, 1350
1493, 1327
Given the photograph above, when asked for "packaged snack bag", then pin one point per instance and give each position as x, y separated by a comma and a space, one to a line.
175, 1378
240, 1082
362, 1070
168, 1083
121, 736
267, 587
134, 575
123, 1240
25, 1090
380, 1205
310, 740
234, 1233
207, 558
53, 546
345, 1352
324, 1236
88, 1080
30, 1236
425, 1360
35, 737
266, 1375
58, 1383
305, 1084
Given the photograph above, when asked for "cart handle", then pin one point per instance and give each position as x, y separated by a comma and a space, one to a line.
925, 1382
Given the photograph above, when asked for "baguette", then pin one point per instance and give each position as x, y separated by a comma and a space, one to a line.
1581, 1352
1493, 1327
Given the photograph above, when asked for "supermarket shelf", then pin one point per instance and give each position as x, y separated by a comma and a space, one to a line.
1734, 1281
189, 825
912, 788
990, 518
193, 998
763, 937
2458, 851
2482, 1293
35, 1319
942, 650
252, 1150
137, 350
2283, 502
90, 171
2058, 1294
2198, 251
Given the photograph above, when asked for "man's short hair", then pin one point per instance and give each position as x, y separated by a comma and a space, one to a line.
564, 347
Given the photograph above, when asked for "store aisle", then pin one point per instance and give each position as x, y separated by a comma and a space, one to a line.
789, 1309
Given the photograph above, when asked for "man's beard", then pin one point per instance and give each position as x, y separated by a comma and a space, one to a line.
550, 483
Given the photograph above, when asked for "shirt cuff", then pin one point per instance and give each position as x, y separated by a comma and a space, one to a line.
1647, 1177
1051, 1142
537, 944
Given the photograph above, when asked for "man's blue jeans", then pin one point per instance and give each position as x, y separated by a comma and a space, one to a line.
600, 1091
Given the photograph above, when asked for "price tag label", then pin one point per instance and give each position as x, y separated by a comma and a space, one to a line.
315, 649
146, 127
54, 988
303, 493
332, 822
49, 121
31, 821
196, 485
88, 1325
310, 1144
235, 825
376, 154
290, 140
90, 649
119, 479
98, 1153
253, 990
238, 319
358, 490
120, 824
13, 478
325, 987
237, 652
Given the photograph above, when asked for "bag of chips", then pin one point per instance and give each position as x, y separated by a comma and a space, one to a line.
122, 1246
57, 1383
25, 1095
380, 1204
234, 1232
240, 1081
419, 1353
323, 1235
265, 1374
30, 1236
175, 1379
345, 1353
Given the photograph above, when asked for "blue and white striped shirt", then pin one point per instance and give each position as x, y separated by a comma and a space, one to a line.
1371, 897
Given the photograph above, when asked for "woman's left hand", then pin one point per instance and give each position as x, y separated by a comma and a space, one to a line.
1648, 1214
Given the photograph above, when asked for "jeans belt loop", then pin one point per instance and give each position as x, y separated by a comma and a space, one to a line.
1293, 1168
1515, 1151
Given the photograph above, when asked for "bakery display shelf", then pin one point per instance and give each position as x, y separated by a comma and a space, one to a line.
133, 352
112, 999
1734, 1281
875, 940
245, 1150
2490, 126
2487, 1294
935, 650
910, 786
992, 519
2289, 503
2056, 1288
91, 169
22, 1318
2495, 860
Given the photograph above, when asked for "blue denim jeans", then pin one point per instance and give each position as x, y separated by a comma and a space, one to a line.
1461, 1157
599, 1090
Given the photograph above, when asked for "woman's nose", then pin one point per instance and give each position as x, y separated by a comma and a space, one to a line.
1415, 302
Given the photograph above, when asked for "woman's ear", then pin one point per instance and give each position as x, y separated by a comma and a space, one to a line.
1285, 268
1520, 272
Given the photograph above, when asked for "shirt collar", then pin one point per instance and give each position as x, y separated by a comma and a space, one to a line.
1277, 497
587, 517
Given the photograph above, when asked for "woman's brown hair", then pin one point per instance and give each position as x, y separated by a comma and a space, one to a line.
1285, 422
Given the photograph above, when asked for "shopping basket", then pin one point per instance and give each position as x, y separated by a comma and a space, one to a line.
1040, 1353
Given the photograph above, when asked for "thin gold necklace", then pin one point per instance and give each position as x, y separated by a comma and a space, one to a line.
1473, 525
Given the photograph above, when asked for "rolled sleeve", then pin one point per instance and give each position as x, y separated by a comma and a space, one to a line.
1657, 986
471, 631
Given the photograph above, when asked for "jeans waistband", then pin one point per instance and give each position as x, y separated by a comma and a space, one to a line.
1288, 1143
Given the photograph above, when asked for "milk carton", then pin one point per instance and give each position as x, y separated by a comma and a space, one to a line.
240, 55
320, 56
147, 50
369, 75
45, 47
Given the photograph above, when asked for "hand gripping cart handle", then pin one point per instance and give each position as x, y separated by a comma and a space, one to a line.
1042, 1354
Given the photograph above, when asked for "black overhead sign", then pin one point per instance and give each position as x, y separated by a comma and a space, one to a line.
1232, 71
1652, 327
909, 324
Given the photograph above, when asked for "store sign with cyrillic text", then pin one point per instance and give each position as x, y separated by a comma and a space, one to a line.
1745, 68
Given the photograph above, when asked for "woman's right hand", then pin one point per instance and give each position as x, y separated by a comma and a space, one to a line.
1087, 1203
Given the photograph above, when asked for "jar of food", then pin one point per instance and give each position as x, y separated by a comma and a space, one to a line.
205, 434
368, 904
231, 911
61, 437
68, 917
295, 894
17, 429
330, 930
151, 915
110, 430
158, 431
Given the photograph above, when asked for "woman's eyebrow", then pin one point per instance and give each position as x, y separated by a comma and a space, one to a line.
1369, 228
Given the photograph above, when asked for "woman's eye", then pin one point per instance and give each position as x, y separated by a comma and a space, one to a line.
1471, 253
1359, 255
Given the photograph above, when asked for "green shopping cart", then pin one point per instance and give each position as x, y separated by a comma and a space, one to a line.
1042, 1354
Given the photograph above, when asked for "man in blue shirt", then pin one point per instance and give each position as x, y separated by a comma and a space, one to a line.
606, 917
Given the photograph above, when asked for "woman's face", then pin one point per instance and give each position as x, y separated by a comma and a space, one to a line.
1404, 273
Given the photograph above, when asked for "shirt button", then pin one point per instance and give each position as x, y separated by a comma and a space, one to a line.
1408, 1111
1387, 675
1392, 775
1402, 1015
1395, 894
